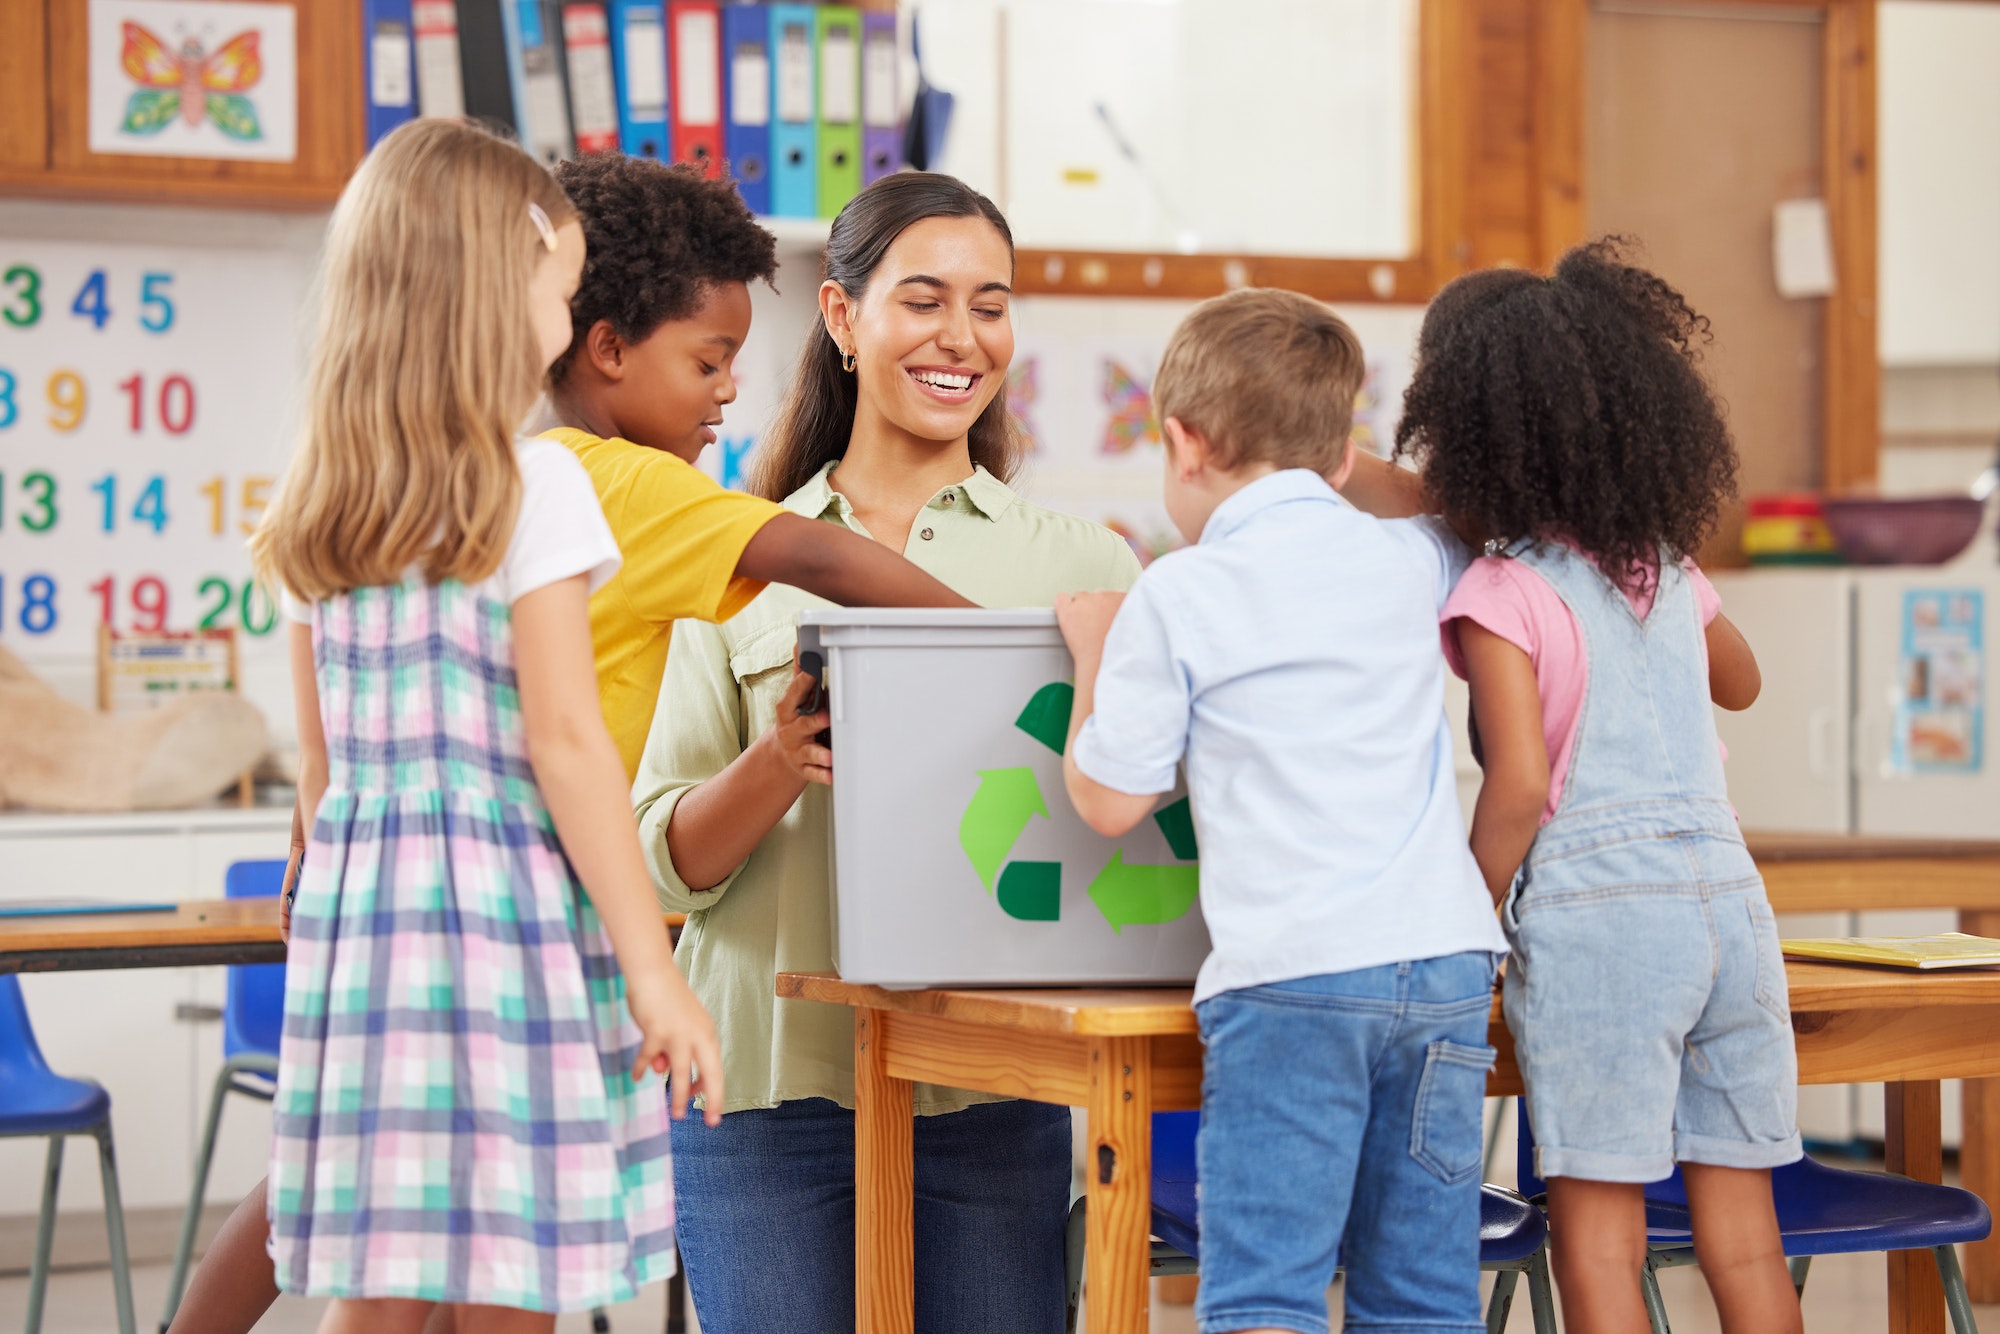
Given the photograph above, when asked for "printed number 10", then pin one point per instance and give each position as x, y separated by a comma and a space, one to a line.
176, 402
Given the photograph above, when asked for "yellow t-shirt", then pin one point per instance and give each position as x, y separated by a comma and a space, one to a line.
681, 536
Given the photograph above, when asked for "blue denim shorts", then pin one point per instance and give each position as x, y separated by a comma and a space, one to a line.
1341, 1126
1650, 1020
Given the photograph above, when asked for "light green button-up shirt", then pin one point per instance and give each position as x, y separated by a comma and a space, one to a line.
772, 914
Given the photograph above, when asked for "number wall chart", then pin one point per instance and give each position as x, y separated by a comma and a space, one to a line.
147, 409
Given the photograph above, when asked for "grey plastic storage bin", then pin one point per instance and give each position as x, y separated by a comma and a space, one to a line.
958, 859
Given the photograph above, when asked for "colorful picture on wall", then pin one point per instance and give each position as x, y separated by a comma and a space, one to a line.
1372, 429
1023, 387
191, 78
1130, 400
1940, 716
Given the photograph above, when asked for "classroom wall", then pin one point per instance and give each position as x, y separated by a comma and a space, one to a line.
282, 248
1698, 125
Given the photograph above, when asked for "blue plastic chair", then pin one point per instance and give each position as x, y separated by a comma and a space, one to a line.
1513, 1234
34, 1100
253, 1018
1821, 1211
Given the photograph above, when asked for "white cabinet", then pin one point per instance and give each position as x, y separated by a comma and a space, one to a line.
135, 1031
1942, 778
1788, 752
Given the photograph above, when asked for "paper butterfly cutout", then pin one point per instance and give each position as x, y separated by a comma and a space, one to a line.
191, 83
1367, 412
1131, 424
1023, 386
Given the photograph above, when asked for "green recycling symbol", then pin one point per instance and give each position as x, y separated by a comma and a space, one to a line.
1127, 893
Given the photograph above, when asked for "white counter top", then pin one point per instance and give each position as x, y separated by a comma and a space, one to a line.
199, 820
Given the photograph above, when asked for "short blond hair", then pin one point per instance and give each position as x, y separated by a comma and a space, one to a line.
1265, 376
424, 365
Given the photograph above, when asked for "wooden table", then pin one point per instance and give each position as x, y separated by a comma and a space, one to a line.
1124, 1054
211, 931
208, 931
1838, 873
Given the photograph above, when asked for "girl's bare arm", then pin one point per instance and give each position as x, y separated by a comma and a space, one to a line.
1508, 709
581, 778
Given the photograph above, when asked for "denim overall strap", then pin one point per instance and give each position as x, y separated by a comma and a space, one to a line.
1645, 759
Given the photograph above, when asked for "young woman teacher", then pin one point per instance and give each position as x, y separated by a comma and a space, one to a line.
896, 426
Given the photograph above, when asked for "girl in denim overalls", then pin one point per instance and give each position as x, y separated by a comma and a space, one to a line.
1562, 422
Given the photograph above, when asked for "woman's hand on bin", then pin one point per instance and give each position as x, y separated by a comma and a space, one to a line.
796, 736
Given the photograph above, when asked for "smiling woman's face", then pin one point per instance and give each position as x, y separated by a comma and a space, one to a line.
932, 335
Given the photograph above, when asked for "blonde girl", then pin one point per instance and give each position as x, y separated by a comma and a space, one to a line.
465, 1112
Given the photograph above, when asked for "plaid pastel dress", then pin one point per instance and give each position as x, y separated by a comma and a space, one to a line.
455, 1118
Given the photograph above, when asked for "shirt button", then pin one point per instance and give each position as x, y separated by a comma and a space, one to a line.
927, 534
949, 497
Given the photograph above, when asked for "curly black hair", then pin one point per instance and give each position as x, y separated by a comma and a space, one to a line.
1570, 408
658, 237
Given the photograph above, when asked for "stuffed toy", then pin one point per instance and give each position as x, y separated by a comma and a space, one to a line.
59, 756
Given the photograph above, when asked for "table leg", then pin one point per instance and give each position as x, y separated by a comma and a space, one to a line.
1979, 1150
885, 1285
1913, 1145
1118, 1176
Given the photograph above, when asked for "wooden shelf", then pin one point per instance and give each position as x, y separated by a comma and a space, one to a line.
44, 51
137, 188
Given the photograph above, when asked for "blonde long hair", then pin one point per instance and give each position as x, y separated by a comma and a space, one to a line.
424, 365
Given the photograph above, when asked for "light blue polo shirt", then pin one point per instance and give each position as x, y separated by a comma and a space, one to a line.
1291, 656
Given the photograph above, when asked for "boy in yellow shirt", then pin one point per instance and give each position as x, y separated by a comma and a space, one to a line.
663, 308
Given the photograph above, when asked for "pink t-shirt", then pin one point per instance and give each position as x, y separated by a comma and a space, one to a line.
1509, 599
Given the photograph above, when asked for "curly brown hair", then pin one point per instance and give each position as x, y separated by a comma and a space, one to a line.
1570, 408
658, 237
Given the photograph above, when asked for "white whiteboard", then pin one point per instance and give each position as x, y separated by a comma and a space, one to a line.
1939, 184
146, 410
1278, 127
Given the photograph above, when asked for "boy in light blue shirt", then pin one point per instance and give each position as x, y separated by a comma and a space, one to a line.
1290, 657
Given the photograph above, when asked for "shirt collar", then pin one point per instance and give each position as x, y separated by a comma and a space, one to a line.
1272, 489
982, 491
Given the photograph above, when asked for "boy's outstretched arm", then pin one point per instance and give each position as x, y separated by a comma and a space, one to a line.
1508, 709
1381, 488
1086, 619
844, 567
1734, 682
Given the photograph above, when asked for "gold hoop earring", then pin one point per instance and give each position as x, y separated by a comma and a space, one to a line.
847, 362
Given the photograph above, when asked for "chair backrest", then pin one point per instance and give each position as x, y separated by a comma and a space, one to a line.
20, 1054
253, 1010
1173, 1145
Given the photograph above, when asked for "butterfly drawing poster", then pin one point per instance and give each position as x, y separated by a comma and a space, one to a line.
194, 79
1024, 391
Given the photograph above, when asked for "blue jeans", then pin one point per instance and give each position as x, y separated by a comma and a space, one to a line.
764, 1212
1340, 1124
